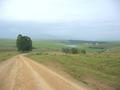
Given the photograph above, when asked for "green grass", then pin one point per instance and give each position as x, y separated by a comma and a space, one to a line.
6, 55
103, 67
7, 43
41, 44
7, 49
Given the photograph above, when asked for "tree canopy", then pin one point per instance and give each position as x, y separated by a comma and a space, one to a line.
23, 43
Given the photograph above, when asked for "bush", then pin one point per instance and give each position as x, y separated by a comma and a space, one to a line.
83, 51
74, 51
66, 50
70, 50
38, 53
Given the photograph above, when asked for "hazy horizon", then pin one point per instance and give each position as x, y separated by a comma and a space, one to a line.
96, 20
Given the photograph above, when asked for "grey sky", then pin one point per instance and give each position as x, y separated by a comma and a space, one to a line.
61, 19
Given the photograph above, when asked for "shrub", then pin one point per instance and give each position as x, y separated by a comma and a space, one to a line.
66, 50
74, 50
83, 51
70, 50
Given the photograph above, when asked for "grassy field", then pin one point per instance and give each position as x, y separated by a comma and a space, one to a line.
103, 67
7, 54
7, 49
7, 43
99, 67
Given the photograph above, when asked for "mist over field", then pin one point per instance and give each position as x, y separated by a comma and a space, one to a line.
67, 31
51, 19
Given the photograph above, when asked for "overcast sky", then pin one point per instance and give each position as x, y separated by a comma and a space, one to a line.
61, 19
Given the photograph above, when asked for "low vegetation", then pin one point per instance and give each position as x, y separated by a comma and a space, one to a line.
7, 49
7, 54
99, 62
73, 51
104, 67
70, 50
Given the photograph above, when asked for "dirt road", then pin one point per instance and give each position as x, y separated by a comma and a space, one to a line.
21, 73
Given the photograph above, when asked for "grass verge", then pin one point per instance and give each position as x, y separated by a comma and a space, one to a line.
92, 69
7, 54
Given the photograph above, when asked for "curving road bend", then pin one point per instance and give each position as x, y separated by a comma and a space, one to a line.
21, 73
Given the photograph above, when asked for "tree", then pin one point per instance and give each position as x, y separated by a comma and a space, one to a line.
24, 43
